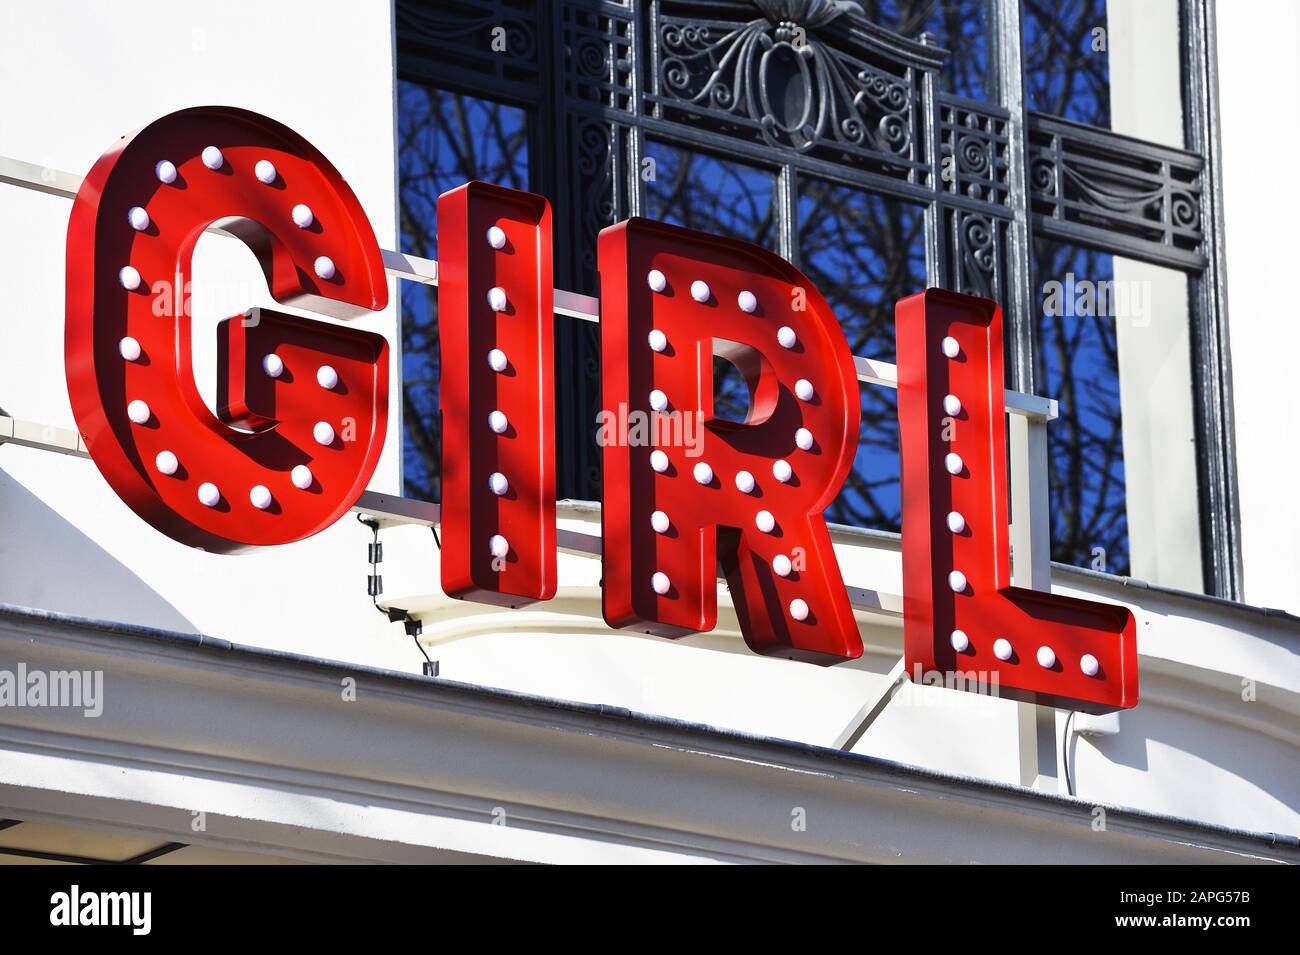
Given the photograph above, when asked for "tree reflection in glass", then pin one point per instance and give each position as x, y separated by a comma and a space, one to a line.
443, 140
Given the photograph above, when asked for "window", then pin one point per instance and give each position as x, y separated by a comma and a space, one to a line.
701, 192
443, 140
884, 146
864, 252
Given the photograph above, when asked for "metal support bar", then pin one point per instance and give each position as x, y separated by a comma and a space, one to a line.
1036, 727
1031, 550
871, 709
413, 268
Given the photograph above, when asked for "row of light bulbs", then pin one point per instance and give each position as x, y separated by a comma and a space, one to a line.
130, 350
782, 470
498, 423
958, 639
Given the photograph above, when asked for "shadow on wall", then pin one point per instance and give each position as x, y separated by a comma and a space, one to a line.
47, 563
1249, 769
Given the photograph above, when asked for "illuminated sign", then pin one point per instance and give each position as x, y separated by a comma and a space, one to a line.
303, 404
303, 407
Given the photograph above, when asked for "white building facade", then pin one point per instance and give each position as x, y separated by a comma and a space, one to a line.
264, 707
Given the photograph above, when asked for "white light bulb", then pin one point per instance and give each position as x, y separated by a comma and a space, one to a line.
325, 268
498, 422
782, 471
138, 218
301, 477
209, 496
700, 291
302, 216
952, 405
660, 582
1046, 658
166, 463
129, 277
747, 301
496, 237
1002, 648
323, 432
1089, 665
498, 547
703, 473
959, 641
952, 461
497, 298
659, 461
950, 347
212, 157
273, 365
129, 348
957, 581
265, 173
786, 337
498, 484
781, 565
656, 280
497, 360
764, 521
260, 495
659, 521
138, 411
803, 439
657, 339
745, 482
803, 389
799, 609
165, 170
956, 523
327, 377
658, 400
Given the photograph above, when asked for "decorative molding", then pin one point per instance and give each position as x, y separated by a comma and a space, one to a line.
418, 769
788, 79
974, 146
478, 46
1103, 188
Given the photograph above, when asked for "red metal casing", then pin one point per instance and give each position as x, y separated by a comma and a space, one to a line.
716, 523
278, 414
989, 607
470, 390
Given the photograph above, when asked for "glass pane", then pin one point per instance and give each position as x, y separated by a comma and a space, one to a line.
1114, 64
702, 192
1112, 346
444, 140
959, 26
1065, 74
864, 252
708, 194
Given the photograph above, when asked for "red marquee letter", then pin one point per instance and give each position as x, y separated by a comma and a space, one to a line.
311, 398
960, 611
749, 494
496, 328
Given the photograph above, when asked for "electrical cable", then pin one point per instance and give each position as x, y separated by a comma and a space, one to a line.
1065, 752
374, 586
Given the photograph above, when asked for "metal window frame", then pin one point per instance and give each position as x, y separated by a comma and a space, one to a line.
626, 103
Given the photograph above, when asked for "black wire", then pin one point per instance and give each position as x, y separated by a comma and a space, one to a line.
374, 566
1065, 752
395, 614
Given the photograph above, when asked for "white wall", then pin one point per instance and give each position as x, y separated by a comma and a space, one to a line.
77, 76
1259, 99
